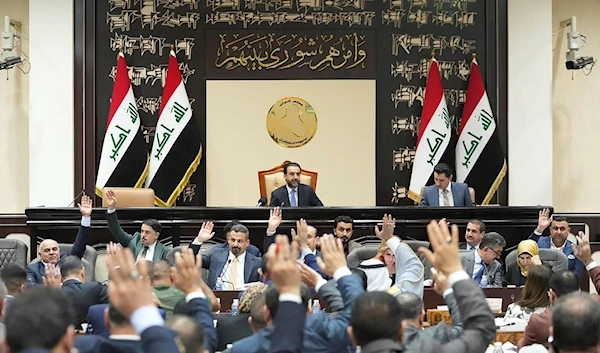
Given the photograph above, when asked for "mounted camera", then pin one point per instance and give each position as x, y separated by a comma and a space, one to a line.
8, 55
576, 41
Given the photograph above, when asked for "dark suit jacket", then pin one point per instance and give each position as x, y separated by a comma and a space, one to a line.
441, 332
96, 323
36, 270
288, 335
306, 197
200, 310
84, 295
322, 333
231, 329
574, 264
99, 344
133, 242
495, 272
460, 194
159, 339
216, 260
536, 330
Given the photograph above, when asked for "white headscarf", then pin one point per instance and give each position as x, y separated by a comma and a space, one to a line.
378, 276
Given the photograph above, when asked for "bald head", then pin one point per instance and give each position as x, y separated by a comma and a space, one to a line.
49, 251
189, 332
161, 273
573, 314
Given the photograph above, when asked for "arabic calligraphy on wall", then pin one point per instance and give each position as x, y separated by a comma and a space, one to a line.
297, 54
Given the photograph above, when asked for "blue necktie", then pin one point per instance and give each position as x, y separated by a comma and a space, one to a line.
477, 277
293, 198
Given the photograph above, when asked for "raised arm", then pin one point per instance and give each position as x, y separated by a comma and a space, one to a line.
205, 233
478, 322
275, 219
113, 222
83, 234
543, 223
583, 252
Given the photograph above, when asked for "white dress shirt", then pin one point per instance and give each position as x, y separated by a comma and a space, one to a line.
149, 254
239, 283
289, 190
441, 195
469, 247
552, 246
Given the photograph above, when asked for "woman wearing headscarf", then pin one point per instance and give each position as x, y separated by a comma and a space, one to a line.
527, 257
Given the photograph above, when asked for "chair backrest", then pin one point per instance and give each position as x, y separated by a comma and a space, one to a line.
271, 179
89, 260
131, 197
358, 255
13, 251
100, 269
554, 259
26, 239
205, 247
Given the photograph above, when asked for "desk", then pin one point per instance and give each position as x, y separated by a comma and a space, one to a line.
431, 299
181, 224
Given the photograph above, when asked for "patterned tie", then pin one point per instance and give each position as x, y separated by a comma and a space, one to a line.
234, 272
293, 202
446, 197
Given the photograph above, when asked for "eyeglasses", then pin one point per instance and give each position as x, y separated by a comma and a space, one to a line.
498, 253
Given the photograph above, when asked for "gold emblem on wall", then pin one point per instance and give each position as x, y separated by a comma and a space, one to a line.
291, 122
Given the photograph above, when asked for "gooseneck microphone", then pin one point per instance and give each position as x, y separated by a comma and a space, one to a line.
261, 202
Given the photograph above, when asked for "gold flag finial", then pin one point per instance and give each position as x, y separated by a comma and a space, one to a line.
172, 47
474, 55
432, 54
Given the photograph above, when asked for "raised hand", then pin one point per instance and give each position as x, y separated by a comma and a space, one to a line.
127, 289
206, 232
301, 236
584, 251
111, 199
387, 231
282, 265
445, 257
275, 219
440, 282
334, 258
52, 277
543, 220
187, 274
309, 276
536, 260
85, 206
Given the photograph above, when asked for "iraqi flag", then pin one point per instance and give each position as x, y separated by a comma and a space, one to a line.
434, 133
124, 158
480, 160
176, 150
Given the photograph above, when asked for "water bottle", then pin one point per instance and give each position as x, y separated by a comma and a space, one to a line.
316, 307
484, 281
498, 347
219, 284
234, 307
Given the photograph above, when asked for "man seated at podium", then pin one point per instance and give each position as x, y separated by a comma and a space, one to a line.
143, 244
445, 192
49, 251
234, 266
294, 194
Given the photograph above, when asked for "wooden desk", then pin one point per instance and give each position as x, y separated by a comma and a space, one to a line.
509, 336
181, 224
432, 300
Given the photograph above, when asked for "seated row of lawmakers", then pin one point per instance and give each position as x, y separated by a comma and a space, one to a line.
444, 192
42, 319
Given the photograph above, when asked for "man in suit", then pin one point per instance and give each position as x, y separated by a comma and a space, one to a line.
251, 248
189, 332
123, 337
81, 294
376, 323
414, 313
294, 194
445, 192
234, 328
15, 279
561, 284
574, 314
482, 264
49, 251
473, 235
41, 321
343, 228
322, 333
559, 232
162, 285
144, 244
235, 266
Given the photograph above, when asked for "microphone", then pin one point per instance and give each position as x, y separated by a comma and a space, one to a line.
223, 273
261, 202
76, 197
